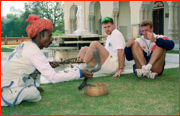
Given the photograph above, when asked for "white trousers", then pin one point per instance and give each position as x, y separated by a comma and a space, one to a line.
29, 94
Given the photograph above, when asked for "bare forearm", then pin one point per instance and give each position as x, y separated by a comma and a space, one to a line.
121, 58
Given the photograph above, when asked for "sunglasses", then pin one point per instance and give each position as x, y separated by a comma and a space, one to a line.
106, 19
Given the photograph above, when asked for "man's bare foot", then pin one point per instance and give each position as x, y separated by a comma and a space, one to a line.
40, 89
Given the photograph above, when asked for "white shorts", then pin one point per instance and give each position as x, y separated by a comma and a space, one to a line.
109, 67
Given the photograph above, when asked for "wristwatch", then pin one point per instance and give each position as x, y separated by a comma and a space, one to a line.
120, 68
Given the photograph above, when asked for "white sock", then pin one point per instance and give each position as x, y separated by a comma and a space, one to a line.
144, 66
148, 66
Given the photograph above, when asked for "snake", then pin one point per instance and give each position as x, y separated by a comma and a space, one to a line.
98, 59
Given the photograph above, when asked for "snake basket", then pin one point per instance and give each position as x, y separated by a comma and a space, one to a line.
99, 90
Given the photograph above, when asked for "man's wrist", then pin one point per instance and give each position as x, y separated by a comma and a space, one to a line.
119, 68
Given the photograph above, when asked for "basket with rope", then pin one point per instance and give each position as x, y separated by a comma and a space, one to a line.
99, 89
94, 89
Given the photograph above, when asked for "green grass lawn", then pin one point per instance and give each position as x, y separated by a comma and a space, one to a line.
173, 52
128, 95
7, 48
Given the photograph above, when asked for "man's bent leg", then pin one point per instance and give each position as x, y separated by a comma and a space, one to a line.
139, 59
102, 51
82, 53
138, 55
157, 60
156, 63
31, 94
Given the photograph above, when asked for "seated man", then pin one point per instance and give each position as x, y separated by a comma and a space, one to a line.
148, 51
20, 73
112, 55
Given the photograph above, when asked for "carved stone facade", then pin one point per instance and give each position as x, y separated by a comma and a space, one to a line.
126, 14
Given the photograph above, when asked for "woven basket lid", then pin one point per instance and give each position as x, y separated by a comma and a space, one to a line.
99, 90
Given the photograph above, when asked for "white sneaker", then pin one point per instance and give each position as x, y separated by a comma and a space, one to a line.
151, 75
141, 72
71, 69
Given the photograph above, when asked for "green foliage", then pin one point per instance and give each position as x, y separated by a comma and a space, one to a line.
15, 24
128, 95
2, 24
51, 10
15, 28
57, 33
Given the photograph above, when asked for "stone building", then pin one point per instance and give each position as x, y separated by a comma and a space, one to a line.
127, 15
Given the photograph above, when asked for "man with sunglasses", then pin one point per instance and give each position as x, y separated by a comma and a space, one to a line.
148, 51
112, 55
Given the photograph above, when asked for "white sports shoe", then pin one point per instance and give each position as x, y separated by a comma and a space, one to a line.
151, 75
141, 72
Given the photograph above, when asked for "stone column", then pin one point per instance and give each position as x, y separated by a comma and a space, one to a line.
116, 13
89, 26
70, 26
170, 25
145, 13
91, 18
176, 25
141, 14
99, 27
92, 25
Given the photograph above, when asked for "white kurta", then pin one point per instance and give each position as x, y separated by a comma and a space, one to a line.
17, 81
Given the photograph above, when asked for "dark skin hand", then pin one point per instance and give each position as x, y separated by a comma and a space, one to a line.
40, 89
53, 64
86, 74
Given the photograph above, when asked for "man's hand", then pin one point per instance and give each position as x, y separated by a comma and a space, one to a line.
53, 64
130, 42
86, 74
118, 73
40, 89
150, 36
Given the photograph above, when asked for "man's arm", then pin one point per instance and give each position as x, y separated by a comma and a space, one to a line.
42, 65
165, 43
162, 41
128, 51
121, 58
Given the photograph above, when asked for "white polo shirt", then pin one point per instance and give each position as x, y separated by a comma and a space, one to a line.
114, 42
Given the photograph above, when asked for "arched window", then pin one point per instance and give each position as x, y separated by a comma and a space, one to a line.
158, 4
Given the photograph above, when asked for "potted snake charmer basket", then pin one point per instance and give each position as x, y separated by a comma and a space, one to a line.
99, 89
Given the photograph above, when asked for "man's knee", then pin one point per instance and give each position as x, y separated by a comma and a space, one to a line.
158, 69
84, 49
32, 94
94, 43
135, 45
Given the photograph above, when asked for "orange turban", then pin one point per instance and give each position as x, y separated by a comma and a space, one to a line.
36, 25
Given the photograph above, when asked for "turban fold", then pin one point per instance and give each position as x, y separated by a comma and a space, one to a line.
36, 25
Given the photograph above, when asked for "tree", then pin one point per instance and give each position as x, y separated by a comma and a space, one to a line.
2, 24
15, 24
52, 10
